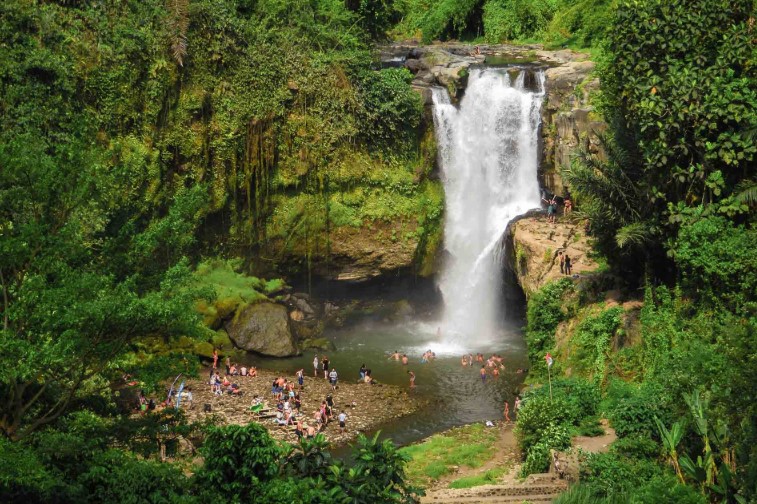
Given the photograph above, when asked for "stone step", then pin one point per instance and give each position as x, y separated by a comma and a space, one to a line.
506, 491
509, 499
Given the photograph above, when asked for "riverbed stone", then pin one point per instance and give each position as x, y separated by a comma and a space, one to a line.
263, 328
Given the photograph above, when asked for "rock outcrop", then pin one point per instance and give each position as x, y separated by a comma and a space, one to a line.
533, 250
263, 328
568, 119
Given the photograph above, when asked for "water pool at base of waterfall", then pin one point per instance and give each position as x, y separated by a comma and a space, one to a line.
456, 394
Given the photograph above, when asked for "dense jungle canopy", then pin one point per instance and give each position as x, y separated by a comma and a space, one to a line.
139, 138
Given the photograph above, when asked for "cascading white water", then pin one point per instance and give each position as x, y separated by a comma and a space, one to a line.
488, 153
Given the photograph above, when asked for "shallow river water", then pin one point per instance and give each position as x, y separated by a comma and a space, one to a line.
456, 394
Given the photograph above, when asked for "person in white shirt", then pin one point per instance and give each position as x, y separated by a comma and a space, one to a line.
315, 366
333, 377
342, 421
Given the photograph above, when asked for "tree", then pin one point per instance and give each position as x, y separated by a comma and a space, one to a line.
681, 114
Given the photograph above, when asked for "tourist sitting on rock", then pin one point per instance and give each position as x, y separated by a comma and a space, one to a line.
257, 404
234, 389
233, 370
362, 372
243, 371
253, 372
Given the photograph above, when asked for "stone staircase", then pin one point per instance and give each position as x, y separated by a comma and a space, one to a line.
535, 489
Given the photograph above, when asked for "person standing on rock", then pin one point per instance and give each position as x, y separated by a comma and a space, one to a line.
342, 421
300, 377
507, 412
562, 262
333, 377
315, 366
215, 358
567, 265
325, 362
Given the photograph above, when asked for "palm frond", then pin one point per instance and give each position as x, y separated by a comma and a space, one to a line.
634, 234
747, 192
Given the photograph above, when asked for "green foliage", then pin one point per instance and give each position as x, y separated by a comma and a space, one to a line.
717, 263
554, 437
465, 446
545, 312
680, 117
612, 475
239, 462
633, 409
636, 446
392, 110
592, 342
577, 23
117, 477
488, 477
518, 19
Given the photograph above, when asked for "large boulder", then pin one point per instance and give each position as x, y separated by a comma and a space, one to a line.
263, 328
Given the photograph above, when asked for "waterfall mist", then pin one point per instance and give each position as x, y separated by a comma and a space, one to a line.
488, 149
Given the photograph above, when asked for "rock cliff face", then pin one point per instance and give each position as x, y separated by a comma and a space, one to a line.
568, 119
533, 250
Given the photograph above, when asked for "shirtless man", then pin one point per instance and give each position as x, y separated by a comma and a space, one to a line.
404, 359
464, 360
507, 412
483, 374
395, 355
412, 379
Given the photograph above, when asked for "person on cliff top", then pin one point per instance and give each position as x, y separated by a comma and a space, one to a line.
412, 379
315, 366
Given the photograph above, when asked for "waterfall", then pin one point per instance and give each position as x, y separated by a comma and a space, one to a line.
488, 153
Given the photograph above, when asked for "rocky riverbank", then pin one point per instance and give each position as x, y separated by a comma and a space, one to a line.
374, 405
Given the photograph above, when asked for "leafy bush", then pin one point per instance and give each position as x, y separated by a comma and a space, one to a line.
545, 311
392, 110
537, 416
636, 446
592, 342
613, 475
115, 476
554, 437
633, 413
239, 462
718, 263
580, 397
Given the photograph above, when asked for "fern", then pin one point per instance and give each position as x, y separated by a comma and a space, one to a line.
178, 24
